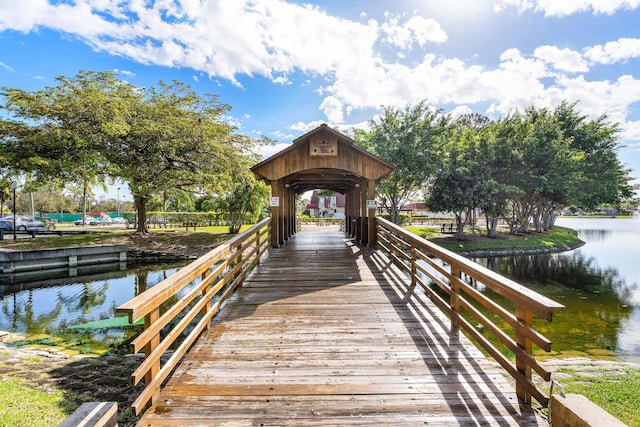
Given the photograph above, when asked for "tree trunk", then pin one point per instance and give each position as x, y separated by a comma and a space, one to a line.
394, 213
84, 202
492, 226
459, 227
32, 205
141, 208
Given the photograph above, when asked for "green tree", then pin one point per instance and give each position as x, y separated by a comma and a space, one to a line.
175, 139
460, 184
49, 198
603, 178
243, 203
155, 139
51, 133
410, 140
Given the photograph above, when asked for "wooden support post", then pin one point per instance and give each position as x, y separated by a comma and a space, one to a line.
371, 214
149, 320
414, 265
455, 300
292, 213
357, 213
258, 246
526, 318
349, 212
282, 219
275, 215
364, 232
207, 306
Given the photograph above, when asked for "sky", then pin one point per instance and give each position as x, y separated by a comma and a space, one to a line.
285, 67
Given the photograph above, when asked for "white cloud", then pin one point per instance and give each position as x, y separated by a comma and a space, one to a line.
560, 8
306, 127
275, 39
233, 121
267, 151
281, 80
613, 52
332, 109
631, 131
126, 73
6, 67
282, 136
415, 30
460, 111
562, 59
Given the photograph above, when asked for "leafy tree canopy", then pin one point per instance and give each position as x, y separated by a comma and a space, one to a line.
155, 139
411, 141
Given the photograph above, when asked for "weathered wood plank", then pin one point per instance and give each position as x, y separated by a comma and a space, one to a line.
322, 333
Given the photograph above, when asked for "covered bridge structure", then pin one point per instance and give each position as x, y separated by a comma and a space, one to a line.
323, 159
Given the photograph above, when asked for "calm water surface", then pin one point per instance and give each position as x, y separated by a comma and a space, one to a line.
48, 306
598, 283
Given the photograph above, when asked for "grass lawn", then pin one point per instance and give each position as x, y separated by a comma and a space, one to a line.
23, 405
157, 238
615, 391
476, 239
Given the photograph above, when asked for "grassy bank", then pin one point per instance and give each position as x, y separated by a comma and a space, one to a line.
560, 238
177, 240
614, 386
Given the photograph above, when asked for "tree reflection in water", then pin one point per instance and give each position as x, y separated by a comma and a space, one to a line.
24, 318
31, 308
597, 300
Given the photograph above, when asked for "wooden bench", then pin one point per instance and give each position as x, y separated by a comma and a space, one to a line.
444, 229
188, 224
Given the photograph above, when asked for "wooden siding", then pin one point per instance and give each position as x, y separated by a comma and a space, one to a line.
296, 158
327, 333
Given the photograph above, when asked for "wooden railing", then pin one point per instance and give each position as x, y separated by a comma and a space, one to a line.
220, 272
458, 278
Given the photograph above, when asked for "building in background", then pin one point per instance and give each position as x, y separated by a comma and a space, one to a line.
330, 206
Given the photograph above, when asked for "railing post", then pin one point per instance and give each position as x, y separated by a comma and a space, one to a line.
526, 318
240, 261
207, 307
455, 299
258, 247
414, 267
149, 320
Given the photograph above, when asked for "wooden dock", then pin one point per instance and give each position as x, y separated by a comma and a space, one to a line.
325, 332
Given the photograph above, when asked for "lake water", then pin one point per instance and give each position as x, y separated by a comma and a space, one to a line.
49, 306
599, 283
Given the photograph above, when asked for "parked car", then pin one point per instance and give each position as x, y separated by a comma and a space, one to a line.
6, 223
105, 220
118, 220
22, 223
88, 220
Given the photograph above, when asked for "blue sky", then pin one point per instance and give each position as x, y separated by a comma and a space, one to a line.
287, 66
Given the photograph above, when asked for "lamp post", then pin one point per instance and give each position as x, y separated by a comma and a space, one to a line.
13, 189
118, 202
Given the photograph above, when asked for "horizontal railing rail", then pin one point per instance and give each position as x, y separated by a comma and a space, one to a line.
458, 278
220, 272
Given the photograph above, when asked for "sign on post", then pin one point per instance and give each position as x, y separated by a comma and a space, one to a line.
371, 204
274, 202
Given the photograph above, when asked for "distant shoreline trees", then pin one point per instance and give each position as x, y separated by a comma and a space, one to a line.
521, 168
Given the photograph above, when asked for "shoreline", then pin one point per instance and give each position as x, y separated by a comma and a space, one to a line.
488, 253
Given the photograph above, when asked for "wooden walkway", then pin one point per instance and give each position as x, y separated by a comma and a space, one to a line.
325, 333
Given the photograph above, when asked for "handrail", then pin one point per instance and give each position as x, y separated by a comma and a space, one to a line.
416, 256
221, 271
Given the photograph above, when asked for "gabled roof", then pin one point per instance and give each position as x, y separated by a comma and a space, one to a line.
341, 166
